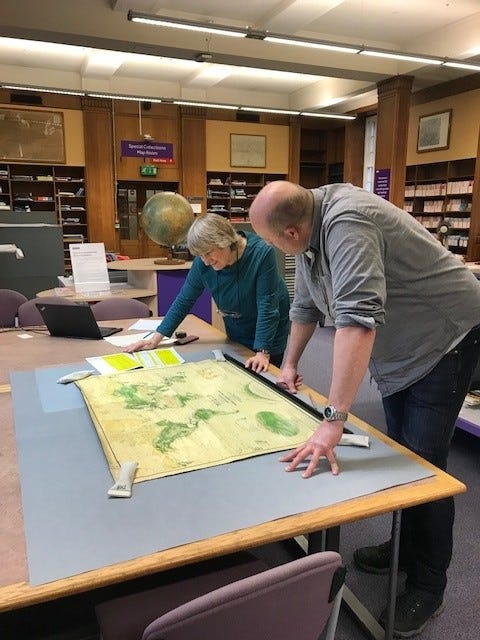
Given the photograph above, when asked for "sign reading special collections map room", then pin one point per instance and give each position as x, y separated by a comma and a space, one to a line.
157, 152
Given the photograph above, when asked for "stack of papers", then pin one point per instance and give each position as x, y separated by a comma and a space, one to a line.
117, 362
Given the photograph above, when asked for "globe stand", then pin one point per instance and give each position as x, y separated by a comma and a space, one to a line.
167, 261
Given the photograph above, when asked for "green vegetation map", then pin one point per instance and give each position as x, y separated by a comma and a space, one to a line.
191, 416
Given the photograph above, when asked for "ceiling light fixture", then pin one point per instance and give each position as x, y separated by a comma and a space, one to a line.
188, 25
462, 65
409, 57
112, 96
318, 114
65, 92
312, 44
279, 38
188, 103
192, 103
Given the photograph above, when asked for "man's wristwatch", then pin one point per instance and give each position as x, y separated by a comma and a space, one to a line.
264, 351
330, 414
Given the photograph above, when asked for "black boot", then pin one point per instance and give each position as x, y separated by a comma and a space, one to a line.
375, 559
414, 608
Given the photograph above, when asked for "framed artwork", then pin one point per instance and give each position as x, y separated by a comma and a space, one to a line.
32, 135
247, 151
434, 131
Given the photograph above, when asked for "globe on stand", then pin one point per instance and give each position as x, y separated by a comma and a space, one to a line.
166, 218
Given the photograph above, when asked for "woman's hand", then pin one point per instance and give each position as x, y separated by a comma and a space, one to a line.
259, 362
143, 345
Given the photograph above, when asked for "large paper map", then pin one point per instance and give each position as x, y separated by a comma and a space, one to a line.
191, 416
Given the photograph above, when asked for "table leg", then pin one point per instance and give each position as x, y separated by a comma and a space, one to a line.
393, 576
329, 540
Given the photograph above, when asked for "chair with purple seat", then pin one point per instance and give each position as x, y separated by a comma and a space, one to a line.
10, 300
29, 315
299, 599
120, 309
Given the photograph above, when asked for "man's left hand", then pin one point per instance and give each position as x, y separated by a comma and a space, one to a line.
321, 444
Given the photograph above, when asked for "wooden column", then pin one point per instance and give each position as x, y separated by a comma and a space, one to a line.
392, 132
99, 174
294, 149
474, 234
354, 147
193, 150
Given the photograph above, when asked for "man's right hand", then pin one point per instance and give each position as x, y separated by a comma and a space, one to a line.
143, 345
290, 379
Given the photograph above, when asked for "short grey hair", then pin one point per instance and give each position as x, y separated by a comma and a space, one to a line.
211, 231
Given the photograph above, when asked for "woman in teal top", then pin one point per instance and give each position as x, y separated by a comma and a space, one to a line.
240, 271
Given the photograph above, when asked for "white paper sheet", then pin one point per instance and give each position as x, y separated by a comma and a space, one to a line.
145, 324
125, 339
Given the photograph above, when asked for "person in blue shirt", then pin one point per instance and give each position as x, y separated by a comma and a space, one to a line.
240, 271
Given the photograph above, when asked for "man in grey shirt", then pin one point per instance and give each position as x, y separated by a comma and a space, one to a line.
407, 309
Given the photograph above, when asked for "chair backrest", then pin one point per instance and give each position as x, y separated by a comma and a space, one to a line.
10, 300
294, 600
120, 308
29, 315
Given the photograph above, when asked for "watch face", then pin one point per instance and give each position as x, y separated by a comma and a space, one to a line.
328, 412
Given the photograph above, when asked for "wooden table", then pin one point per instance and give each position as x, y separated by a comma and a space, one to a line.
15, 591
149, 296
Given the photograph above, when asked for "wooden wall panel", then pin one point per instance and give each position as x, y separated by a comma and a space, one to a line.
161, 129
99, 177
354, 148
194, 168
392, 132
474, 235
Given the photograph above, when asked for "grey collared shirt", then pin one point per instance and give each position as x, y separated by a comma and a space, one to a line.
375, 266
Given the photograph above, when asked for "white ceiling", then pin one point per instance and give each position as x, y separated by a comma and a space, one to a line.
108, 54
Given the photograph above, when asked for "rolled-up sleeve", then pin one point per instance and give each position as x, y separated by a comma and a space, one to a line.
305, 308
355, 251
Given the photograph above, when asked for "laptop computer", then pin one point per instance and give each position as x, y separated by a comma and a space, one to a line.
72, 321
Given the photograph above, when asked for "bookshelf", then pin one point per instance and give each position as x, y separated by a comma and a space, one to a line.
34, 188
231, 193
321, 156
442, 190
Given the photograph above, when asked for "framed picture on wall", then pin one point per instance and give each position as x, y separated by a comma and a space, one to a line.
434, 131
34, 135
247, 151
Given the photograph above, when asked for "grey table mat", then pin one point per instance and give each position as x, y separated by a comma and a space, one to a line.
72, 526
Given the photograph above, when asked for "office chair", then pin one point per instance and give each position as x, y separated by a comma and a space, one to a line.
120, 308
29, 315
10, 300
296, 600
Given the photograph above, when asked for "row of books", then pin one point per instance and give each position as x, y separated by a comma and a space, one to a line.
438, 188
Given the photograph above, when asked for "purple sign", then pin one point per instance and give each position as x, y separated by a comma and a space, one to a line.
159, 152
382, 183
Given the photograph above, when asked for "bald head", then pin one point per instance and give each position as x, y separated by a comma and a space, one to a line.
282, 208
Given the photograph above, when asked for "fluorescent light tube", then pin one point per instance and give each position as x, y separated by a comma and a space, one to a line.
400, 56
188, 25
329, 46
266, 110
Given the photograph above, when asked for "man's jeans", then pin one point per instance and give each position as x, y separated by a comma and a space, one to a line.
422, 417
